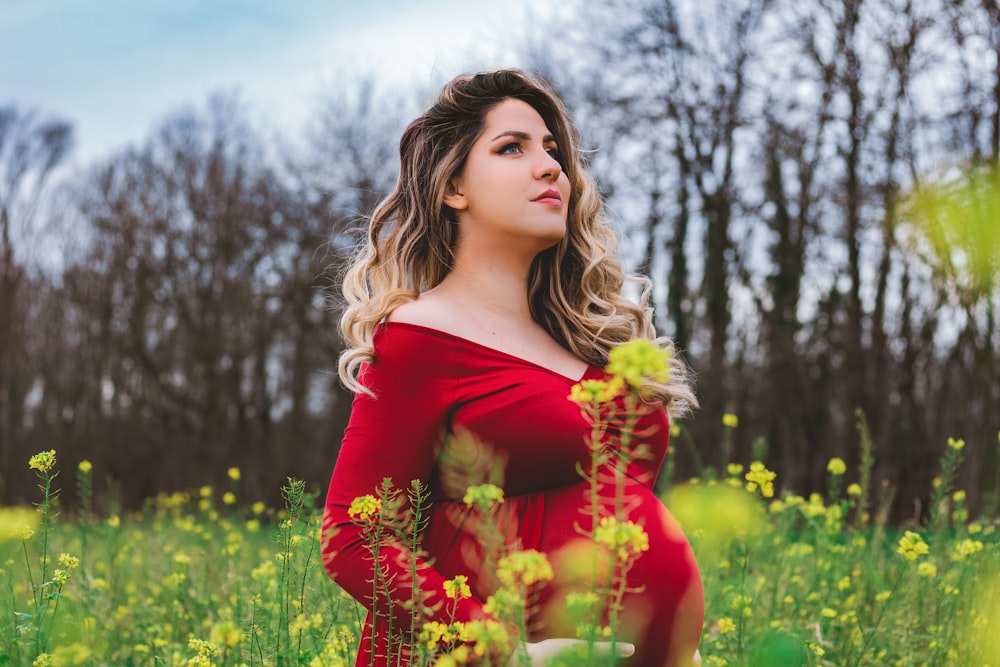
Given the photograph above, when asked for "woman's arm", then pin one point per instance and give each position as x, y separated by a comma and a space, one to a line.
393, 435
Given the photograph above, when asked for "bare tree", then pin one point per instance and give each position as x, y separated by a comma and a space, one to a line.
30, 151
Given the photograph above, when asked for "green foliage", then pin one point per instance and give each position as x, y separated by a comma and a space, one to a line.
789, 581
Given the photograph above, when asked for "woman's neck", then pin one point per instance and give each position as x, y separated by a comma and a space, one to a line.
496, 287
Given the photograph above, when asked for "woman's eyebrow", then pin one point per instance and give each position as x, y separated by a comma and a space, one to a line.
524, 136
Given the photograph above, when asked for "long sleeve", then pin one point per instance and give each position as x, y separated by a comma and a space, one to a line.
395, 434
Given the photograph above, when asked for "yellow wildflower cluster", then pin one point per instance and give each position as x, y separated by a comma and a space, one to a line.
18, 523
85, 466
458, 588
226, 634
504, 603
43, 461
477, 638
836, 467
234, 474
814, 507
68, 561
485, 635
524, 567
304, 623
64, 656
364, 508
435, 633
627, 538
204, 648
762, 478
483, 495
912, 546
730, 420
595, 392
638, 361
966, 547
956, 444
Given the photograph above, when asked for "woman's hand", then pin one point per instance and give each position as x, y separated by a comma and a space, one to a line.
541, 651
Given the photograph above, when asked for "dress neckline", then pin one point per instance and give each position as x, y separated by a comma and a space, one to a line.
420, 328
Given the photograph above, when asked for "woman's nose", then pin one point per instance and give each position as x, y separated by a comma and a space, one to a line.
548, 167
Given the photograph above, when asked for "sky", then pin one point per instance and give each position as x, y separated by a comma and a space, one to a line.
115, 68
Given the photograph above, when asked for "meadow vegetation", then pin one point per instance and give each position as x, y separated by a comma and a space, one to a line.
207, 577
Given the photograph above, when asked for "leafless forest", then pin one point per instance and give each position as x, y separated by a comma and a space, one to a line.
758, 156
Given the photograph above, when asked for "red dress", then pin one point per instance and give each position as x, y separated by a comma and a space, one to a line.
533, 443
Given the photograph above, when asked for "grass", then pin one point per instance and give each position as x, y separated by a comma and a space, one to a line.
198, 578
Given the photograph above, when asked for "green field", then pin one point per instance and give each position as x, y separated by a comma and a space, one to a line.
209, 578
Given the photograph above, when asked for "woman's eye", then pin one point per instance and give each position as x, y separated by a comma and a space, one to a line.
510, 148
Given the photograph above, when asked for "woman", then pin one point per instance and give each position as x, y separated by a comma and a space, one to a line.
488, 287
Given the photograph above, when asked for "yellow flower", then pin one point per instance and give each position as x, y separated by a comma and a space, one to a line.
85, 466
434, 632
524, 567
726, 625
836, 467
484, 495
926, 569
258, 507
229, 498
627, 538
965, 548
234, 474
43, 660
226, 634
675, 430
43, 461
957, 445
912, 546
638, 361
364, 508
204, 648
854, 490
114, 521
761, 477
730, 420
734, 469
18, 523
485, 635
828, 613
458, 588
958, 496
68, 561
593, 392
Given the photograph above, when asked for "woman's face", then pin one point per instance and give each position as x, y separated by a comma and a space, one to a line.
512, 191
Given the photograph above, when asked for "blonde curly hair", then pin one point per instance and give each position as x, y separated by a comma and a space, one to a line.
575, 287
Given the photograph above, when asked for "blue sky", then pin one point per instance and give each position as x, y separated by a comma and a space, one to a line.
116, 67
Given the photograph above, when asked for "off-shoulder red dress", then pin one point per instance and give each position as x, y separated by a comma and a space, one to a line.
431, 385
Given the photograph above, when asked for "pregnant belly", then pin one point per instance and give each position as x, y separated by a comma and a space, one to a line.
661, 585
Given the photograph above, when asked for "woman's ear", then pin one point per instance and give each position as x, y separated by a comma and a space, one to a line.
453, 197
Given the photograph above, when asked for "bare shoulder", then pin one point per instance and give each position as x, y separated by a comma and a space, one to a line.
431, 310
